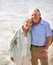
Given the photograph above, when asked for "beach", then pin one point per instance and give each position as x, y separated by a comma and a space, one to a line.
12, 15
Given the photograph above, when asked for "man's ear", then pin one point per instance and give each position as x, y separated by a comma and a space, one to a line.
40, 14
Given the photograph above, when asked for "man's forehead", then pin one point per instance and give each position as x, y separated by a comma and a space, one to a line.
36, 11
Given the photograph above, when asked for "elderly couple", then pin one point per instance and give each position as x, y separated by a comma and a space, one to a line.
32, 41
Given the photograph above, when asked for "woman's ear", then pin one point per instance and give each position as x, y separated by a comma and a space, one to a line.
22, 27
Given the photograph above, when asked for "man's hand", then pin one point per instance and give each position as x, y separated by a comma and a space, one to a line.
43, 53
15, 41
12, 59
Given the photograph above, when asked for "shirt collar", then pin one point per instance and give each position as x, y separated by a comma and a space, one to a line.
41, 22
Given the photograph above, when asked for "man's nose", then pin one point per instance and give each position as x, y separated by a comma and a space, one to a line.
33, 16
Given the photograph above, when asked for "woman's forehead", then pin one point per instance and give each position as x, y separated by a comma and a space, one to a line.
29, 21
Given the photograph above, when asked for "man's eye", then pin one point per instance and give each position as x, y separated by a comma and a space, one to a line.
33, 14
27, 21
26, 25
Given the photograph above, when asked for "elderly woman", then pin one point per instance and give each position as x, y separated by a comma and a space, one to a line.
20, 45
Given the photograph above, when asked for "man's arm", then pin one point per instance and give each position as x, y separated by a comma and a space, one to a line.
48, 36
48, 41
52, 35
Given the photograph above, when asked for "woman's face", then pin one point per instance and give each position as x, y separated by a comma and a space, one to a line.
27, 24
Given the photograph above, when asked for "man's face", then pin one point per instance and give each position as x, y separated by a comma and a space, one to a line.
36, 16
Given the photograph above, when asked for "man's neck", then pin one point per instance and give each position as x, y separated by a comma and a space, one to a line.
38, 21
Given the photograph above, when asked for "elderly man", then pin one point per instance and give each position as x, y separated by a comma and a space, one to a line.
41, 38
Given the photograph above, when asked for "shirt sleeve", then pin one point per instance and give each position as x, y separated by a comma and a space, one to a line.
48, 30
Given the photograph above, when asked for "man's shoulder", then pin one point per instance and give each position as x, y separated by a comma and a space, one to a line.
45, 22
